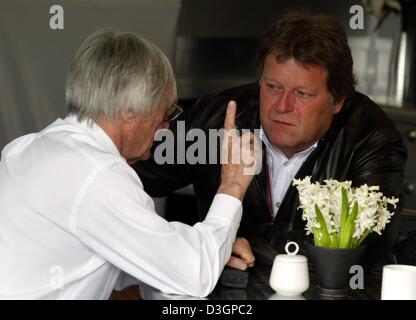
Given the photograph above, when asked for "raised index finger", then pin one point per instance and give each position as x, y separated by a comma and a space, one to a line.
229, 122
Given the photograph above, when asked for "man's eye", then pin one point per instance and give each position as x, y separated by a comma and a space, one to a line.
303, 94
273, 87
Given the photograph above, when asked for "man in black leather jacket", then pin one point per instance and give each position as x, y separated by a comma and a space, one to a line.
305, 103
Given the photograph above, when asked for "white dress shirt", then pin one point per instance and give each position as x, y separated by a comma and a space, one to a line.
73, 214
282, 170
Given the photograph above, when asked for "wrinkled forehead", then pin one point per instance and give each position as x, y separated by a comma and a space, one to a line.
303, 60
294, 72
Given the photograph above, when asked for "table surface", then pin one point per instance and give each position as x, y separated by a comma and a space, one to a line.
258, 289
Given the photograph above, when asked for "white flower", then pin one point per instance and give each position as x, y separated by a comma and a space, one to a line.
372, 213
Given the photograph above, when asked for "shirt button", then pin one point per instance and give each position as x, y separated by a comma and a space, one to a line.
277, 204
286, 163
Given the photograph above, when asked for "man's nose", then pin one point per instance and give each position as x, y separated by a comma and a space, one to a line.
284, 102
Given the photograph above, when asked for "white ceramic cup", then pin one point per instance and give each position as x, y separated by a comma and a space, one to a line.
398, 282
290, 274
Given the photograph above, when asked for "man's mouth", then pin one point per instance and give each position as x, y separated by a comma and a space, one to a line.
283, 123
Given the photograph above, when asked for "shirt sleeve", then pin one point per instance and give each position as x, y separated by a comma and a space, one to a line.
117, 220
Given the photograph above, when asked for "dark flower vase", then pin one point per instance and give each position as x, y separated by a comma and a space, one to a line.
332, 268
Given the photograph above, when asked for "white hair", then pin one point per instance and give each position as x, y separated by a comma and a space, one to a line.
115, 70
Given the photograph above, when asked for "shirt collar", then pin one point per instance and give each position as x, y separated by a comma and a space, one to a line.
95, 131
271, 148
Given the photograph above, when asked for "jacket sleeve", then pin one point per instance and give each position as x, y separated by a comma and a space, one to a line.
159, 180
380, 160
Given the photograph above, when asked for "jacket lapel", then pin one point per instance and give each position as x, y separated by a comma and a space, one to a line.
262, 183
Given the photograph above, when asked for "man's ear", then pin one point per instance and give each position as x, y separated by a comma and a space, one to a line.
127, 115
338, 105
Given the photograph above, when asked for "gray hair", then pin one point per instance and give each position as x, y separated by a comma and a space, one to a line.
115, 70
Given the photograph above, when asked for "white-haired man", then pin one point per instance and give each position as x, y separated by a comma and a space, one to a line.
73, 213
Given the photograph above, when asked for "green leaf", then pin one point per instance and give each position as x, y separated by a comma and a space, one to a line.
333, 239
344, 212
363, 236
354, 243
346, 239
317, 237
326, 241
344, 215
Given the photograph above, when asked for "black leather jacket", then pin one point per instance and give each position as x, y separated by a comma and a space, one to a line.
362, 145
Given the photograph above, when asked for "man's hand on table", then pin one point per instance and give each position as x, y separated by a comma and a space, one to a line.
242, 257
